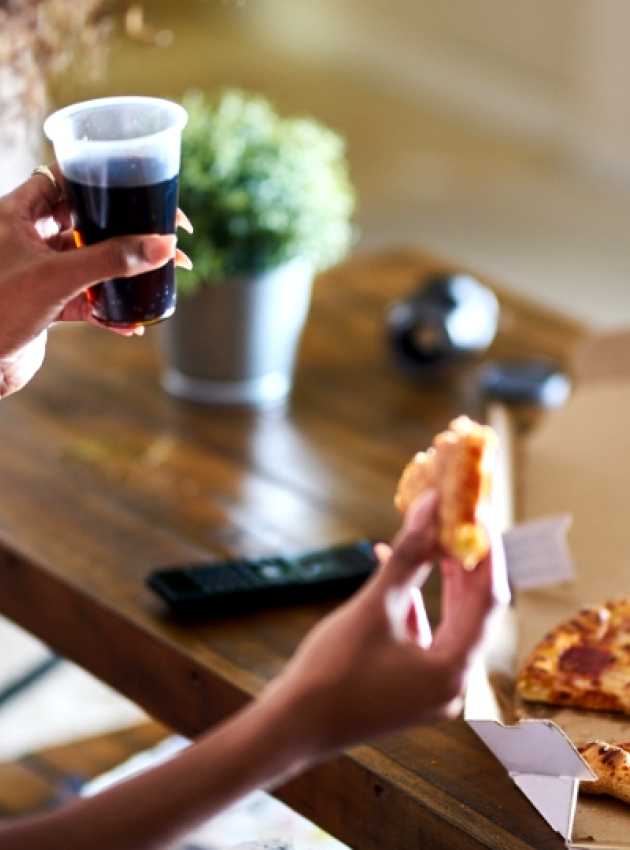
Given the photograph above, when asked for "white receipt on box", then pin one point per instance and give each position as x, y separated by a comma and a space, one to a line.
537, 553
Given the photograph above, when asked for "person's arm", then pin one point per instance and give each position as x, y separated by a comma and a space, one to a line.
369, 668
258, 747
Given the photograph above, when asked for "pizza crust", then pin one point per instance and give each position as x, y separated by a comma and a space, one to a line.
611, 763
459, 467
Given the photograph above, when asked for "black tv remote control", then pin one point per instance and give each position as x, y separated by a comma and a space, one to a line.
232, 586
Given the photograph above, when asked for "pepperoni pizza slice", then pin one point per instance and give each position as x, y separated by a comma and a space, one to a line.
584, 662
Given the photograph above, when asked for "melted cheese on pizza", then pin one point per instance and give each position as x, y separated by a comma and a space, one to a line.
584, 662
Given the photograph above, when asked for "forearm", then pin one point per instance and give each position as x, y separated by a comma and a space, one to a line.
259, 747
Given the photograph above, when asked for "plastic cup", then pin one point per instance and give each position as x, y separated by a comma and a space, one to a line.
120, 158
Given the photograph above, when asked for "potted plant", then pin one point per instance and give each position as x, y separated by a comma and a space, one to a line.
271, 203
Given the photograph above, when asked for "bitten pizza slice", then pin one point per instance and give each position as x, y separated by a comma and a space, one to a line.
584, 662
611, 764
459, 466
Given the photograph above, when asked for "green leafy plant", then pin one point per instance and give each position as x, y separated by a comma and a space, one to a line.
260, 189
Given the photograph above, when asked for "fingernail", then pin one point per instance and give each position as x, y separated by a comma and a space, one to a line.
420, 510
382, 552
156, 249
184, 222
182, 260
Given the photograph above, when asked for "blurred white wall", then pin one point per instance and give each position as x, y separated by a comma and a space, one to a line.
551, 72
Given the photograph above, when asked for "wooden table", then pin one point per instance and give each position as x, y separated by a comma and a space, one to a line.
50, 777
105, 478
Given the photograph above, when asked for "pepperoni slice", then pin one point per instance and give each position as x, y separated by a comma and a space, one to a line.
587, 660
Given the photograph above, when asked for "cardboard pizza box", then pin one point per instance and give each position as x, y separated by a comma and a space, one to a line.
577, 463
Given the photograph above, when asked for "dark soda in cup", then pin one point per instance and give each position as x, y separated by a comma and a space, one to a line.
120, 160
126, 206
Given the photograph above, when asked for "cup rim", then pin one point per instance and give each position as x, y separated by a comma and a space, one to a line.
54, 121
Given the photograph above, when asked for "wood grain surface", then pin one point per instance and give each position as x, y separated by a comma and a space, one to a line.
105, 478
54, 775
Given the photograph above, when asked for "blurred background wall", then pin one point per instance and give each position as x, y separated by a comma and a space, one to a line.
549, 73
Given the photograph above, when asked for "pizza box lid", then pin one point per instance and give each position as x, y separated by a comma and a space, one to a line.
576, 462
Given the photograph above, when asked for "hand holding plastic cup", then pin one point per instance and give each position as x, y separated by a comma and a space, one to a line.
120, 159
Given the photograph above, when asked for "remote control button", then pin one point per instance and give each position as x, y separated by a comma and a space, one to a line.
272, 572
225, 579
311, 569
